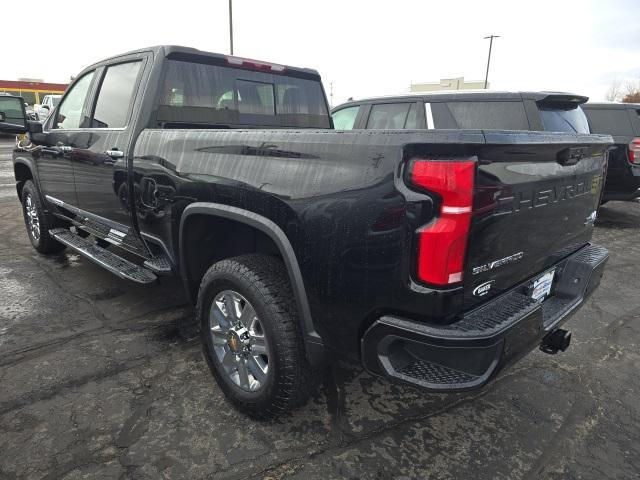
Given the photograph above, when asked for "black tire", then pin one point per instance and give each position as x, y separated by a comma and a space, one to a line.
263, 282
32, 210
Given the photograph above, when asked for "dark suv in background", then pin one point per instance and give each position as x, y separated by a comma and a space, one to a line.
538, 111
622, 122
544, 111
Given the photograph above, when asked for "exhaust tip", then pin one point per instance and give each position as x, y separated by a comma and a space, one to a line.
556, 341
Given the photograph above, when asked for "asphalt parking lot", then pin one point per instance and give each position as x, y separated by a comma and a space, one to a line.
102, 378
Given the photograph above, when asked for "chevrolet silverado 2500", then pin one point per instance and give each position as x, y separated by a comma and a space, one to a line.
434, 257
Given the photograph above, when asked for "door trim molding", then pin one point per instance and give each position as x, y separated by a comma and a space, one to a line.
90, 216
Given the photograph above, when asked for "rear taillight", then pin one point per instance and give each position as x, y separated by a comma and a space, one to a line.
634, 151
254, 64
442, 243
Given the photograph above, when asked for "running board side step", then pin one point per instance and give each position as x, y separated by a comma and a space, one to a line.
160, 265
114, 263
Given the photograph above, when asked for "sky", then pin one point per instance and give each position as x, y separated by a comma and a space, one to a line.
361, 48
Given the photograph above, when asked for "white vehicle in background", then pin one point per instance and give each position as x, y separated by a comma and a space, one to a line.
49, 102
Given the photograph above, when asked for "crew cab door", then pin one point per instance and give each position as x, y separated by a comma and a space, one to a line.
57, 142
100, 155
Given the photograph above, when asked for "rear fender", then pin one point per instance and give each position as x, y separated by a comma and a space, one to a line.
313, 342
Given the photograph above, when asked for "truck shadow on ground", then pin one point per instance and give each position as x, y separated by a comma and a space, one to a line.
618, 215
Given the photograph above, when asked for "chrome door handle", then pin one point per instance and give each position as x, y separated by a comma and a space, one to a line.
115, 153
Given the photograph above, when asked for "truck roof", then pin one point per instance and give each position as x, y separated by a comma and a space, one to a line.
195, 55
611, 105
476, 95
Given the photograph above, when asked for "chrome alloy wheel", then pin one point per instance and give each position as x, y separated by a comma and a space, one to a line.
239, 341
32, 217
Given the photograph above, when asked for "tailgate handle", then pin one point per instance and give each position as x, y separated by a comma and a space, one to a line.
571, 155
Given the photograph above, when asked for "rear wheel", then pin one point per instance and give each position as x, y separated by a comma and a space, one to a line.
37, 221
251, 336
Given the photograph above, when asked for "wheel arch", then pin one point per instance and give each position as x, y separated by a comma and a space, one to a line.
313, 341
22, 172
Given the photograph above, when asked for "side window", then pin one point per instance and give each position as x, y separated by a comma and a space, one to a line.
345, 119
412, 118
634, 116
70, 111
388, 116
610, 122
116, 95
490, 115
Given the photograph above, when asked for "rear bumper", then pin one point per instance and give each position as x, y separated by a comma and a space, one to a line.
468, 353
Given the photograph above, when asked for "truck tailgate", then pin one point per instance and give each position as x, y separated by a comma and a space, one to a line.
534, 204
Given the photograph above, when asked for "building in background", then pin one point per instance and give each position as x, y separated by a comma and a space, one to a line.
32, 90
447, 84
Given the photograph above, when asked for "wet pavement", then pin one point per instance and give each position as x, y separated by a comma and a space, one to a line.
102, 378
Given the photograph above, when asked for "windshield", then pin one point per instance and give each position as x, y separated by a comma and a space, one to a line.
56, 100
194, 94
571, 120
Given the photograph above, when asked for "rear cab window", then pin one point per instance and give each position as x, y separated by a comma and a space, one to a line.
199, 95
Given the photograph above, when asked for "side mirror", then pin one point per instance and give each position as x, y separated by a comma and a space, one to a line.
45, 106
34, 126
13, 116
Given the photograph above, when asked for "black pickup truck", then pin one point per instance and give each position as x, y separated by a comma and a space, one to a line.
435, 258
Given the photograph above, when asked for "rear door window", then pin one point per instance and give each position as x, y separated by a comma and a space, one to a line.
489, 115
557, 117
389, 116
610, 121
345, 118
116, 95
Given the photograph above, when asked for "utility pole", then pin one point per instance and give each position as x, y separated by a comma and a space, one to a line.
231, 25
486, 77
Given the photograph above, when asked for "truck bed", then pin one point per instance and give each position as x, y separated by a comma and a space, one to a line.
341, 199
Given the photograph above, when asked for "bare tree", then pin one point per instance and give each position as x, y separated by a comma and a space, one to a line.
631, 92
613, 92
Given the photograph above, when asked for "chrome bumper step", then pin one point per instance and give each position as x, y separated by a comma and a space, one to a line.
114, 263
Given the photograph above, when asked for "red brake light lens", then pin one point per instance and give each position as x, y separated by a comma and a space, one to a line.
634, 151
442, 243
254, 64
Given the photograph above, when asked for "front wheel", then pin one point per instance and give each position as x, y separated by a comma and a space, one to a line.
251, 335
37, 221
